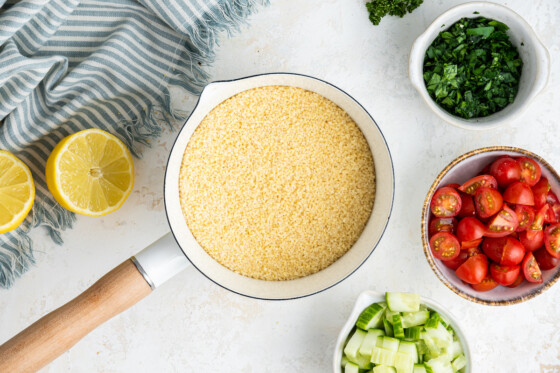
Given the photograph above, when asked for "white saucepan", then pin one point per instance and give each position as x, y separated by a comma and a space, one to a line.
132, 280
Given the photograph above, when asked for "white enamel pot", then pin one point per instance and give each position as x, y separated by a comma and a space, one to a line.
132, 280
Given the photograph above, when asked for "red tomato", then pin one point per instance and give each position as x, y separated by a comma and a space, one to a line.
554, 204
519, 193
504, 275
457, 261
470, 244
531, 269
505, 250
545, 260
453, 185
487, 202
442, 225
520, 278
467, 206
445, 246
472, 251
551, 198
487, 284
474, 269
470, 229
446, 203
506, 171
539, 218
525, 217
530, 170
550, 216
540, 192
552, 240
503, 223
473, 184
531, 240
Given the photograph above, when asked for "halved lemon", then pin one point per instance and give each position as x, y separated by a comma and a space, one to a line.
90, 172
17, 191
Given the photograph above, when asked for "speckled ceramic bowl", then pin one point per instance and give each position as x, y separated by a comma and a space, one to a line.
535, 56
368, 297
459, 171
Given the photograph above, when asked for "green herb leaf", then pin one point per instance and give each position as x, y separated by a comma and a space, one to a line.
380, 8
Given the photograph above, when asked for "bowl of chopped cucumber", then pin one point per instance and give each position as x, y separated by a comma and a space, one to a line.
400, 333
479, 65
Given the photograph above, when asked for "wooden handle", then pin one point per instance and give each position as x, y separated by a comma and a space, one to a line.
56, 332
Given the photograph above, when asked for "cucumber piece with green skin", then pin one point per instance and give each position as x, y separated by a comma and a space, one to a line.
343, 361
389, 315
459, 363
403, 363
362, 361
382, 356
388, 328
438, 365
351, 368
390, 344
403, 302
419, 368
398, 330
411, 319
353, 345
371, 317
413, 332
383, 369
409, 348
456, 349
369, 341
379, 342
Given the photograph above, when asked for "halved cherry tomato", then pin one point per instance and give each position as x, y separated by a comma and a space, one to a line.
540, 192
503, 223
539, 218
467, 206
474, 269
487, 201
525, 217
470, 229
504, 275
445, 246
473, 184
505, 171
457, 261
504, 250
545, 260
470, 244
554, 204
552, 240
442, 225
531, 240
531, 269
472, 251
530, 170
487, 284
519, 193
453, 185
520, 278
446, 203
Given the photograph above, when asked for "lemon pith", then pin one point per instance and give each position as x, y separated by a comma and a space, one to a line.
17, 191
90, 172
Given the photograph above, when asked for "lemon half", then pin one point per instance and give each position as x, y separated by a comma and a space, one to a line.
90, 172
17, 191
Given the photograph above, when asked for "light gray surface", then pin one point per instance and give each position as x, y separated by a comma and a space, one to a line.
192, 325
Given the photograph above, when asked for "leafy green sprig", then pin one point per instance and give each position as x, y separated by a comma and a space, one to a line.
380, 8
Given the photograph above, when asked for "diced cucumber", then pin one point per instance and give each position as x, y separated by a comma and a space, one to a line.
371, 317
403, 363
343, 361
419, 368
438, 317
353, 345
415, 318
398, 330
351, 368
456, 349
381, 356
369, 341
459, 363
390, 344
388, 327
413, 332
389, 315
364, 362
379, 342
438, 365
403, 302
438, 337
409, 348
383, 369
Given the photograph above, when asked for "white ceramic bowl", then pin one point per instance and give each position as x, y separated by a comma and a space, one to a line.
535, 56
368, 297
459, 171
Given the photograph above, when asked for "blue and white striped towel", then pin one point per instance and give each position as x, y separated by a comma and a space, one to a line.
68, 65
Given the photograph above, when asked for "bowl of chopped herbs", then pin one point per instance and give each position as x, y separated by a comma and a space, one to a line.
479, 65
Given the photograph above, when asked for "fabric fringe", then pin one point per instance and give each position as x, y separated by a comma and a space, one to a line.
17, 257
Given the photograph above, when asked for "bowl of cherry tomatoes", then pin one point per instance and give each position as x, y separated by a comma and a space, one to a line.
491, 225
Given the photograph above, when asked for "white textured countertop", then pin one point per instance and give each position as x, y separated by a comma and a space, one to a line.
192, 325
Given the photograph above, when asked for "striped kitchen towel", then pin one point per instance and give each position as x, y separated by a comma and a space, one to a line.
68, 65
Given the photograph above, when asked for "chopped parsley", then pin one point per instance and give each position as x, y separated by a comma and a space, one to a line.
471, 69
380, 8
